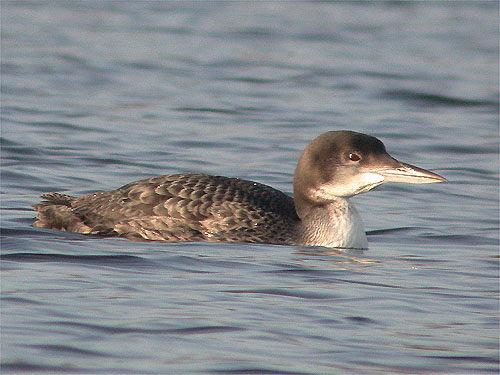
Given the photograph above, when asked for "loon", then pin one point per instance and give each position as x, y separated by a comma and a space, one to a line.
199, 207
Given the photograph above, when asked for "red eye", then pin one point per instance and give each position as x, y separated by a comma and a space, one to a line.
354, 157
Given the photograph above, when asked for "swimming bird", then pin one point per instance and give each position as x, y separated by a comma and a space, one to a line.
199, 207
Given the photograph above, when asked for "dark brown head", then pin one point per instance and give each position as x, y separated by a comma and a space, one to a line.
345, 163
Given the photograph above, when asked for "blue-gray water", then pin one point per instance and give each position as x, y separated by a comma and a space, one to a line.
98, 94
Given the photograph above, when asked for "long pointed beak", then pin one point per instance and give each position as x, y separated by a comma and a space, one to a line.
410, 174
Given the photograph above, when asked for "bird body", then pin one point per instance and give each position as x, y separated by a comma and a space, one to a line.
176, 208
201, 207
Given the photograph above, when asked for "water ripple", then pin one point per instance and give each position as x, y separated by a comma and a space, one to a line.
98, 94
115, 260
430, 99
285, 293
108, 329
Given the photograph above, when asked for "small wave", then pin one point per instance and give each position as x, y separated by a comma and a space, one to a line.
222, 111
462, 239
69, 349
20, 300
26, 367
195, 330
436, 99
80, 259
285, 293
256, 371
388, 230
474, 359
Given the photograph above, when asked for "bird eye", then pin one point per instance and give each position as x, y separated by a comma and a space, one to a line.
354, 157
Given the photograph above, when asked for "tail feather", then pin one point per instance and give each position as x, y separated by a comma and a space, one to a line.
55, 212
50, 199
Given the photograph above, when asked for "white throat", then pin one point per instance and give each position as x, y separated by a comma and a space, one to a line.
361, 183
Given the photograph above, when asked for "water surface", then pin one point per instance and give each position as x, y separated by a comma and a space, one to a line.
95, 95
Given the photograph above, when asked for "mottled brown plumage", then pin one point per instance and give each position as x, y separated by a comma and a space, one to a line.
176, 208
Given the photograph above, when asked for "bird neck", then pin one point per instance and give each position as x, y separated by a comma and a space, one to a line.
336, 223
